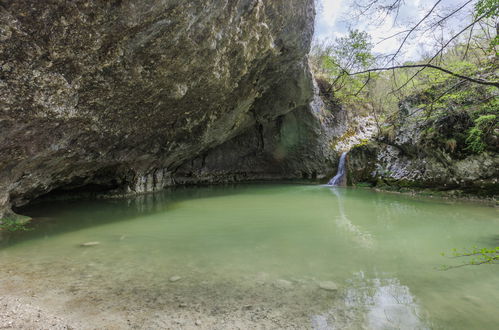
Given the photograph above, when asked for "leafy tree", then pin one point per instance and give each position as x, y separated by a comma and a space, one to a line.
353, 52
335, 61
460, 73
489, 8
484, 18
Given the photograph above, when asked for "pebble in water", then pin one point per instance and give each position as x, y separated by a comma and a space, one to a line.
175, 278
328, 286
87, 244
283, 284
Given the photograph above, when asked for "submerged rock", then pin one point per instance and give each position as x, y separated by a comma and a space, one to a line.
175, 278
88, 244
328, 286
283, 284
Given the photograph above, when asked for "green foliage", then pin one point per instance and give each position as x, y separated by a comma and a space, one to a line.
364, 185
489, 108
334, 62
475, 140
14, 224
388, 132
454, 113
474, 256
354, 51
477, 134
489, 8
462, 123
361, 143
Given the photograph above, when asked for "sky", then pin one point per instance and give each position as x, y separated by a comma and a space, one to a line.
333, 21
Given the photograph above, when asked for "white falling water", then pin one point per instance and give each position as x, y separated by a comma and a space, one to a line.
338, 178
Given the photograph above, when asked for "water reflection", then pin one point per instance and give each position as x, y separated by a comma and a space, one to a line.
373, 304
256, 256
387, 303
364, 239
370, 303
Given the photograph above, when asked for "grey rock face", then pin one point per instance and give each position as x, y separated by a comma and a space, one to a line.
138, 95
408, 163
296, 145
420, 152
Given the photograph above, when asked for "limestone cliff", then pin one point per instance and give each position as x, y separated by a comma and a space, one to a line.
411, 160
136, 95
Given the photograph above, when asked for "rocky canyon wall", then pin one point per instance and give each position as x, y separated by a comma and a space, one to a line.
134, 95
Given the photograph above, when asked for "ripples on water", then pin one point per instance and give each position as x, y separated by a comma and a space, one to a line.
257, 256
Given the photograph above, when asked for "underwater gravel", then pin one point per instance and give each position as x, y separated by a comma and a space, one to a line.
15, 313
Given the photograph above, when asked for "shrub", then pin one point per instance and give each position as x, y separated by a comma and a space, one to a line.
476, 135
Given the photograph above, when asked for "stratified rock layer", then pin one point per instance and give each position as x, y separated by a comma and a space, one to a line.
133, 95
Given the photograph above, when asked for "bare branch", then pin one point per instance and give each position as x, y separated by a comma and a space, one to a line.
448, 16
442, 49
365, 84
392, 36
423, 66
468, 43
415, 27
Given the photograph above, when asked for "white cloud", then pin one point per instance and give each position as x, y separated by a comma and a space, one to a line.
327, 17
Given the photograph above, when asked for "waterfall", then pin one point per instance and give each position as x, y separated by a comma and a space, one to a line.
340, 175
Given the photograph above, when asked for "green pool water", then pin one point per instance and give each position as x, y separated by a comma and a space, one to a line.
258, 256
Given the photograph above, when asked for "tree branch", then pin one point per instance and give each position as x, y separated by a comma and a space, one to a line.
475, 80
449, 15
365, 84
415, 27
442, 49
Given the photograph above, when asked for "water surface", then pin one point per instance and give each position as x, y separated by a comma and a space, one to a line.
255, 256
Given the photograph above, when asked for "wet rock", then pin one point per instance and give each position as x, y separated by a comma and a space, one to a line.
328, 286
283, 284
175, 278
89, 244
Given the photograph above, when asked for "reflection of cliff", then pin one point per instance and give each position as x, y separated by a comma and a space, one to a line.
51, 215
364, 239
